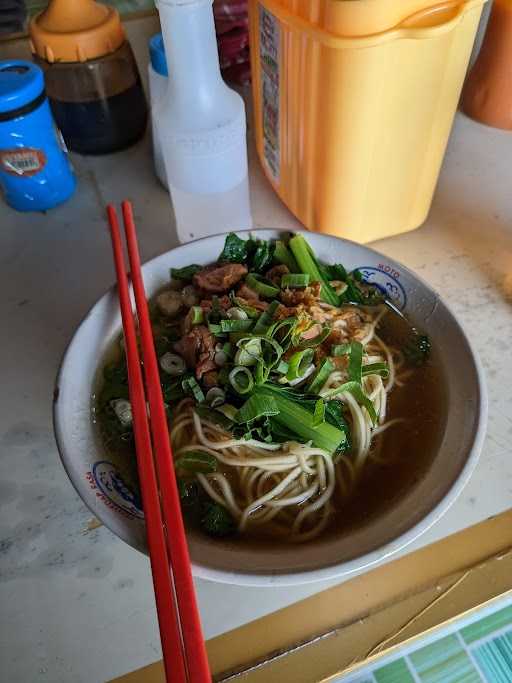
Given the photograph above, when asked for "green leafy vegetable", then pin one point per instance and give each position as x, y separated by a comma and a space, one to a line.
255, 407
417, 349
236, 250
185, 274
216, 521
196, 461
262, 257
355, 389
294, 416
215, 416
188, 490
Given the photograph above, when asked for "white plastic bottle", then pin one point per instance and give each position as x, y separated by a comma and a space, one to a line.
202, 127
158, 81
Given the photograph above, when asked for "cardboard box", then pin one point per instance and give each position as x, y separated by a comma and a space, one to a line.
340, 629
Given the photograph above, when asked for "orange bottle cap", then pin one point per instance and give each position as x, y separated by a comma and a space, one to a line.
75, 31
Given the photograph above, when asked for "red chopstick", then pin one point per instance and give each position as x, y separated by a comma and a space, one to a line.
183, 647
195, 650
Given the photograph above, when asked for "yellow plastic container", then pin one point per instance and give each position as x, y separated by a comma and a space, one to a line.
351, 132
355, 17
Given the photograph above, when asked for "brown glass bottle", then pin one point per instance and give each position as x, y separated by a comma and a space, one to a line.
99, 105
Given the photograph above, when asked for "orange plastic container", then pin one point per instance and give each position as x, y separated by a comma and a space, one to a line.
351, 131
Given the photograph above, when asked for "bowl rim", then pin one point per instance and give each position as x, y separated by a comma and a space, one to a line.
332, 571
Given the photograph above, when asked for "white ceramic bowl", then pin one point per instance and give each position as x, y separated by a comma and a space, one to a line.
101, 488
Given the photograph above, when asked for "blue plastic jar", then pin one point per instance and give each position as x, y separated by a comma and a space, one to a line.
35, 172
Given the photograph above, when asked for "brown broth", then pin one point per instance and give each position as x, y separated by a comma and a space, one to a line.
407, 448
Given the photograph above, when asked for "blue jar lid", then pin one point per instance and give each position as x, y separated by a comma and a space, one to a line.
157, 55
21, 82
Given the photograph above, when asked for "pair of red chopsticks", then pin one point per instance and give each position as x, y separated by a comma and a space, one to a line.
183, 646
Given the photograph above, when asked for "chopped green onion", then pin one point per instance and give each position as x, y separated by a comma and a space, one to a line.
246, 307
215, 328
215, 397
172, 364
261, 285
295, 280
256, 407
317, 340
228, 411
192, 387
241, 379
321, 376
283, 255
308, 264
355, 364
340, 350
282, 367
319, 413
236, 313
249, 352
355, 389
186, 273
234, 337
298, 364
228, 349
218, 417
381, 369
196, 315
196, 461
265, 319
236, 325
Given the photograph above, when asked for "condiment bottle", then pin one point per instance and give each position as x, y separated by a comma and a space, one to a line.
202, 127
158, 81
35, 173
487, 95
91, 75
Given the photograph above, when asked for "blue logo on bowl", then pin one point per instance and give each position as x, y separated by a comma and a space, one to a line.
112, 486
386, 279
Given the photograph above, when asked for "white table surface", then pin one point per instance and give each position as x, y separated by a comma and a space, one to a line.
76, 606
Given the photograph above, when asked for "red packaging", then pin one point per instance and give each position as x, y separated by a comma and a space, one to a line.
232, 26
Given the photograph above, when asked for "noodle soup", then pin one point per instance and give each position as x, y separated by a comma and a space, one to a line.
299, 405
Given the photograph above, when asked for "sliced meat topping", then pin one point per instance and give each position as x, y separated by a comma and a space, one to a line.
223, 301
276, 273
246, 292
218, 279
197, 348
